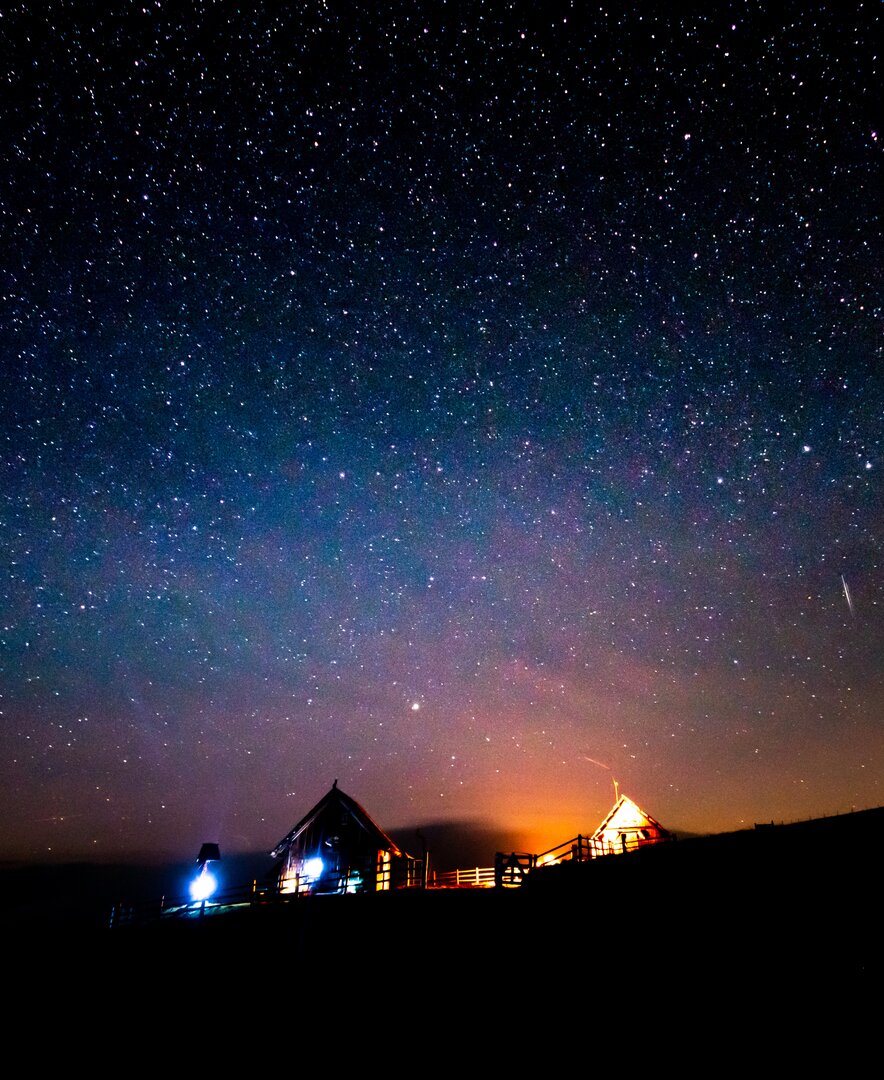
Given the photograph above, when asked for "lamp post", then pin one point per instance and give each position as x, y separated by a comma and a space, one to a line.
205, 883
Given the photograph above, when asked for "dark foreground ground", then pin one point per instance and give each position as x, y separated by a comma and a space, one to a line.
775, 923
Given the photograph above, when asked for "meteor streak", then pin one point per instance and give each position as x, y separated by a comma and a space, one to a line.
847, 595
586, 757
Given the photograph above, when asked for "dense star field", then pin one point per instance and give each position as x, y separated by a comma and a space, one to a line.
470, 402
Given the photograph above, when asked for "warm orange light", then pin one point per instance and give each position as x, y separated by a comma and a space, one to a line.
625, 829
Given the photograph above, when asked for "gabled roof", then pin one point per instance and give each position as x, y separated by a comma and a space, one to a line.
625, 814
337, 800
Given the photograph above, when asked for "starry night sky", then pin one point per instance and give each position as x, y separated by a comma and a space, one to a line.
470, 402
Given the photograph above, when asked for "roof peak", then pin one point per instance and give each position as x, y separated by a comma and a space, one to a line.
340, 798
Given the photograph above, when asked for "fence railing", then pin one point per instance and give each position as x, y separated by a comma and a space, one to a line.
509, 871
382, 877
512, 869
254, 894
584, 848
480, 877
182, 907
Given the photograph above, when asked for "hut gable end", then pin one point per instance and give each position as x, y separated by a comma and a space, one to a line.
337, 847
626, 828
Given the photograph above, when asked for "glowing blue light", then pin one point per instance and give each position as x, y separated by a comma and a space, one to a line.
313, 868
203, 886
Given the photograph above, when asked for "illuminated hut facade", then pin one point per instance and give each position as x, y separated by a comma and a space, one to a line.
337, 848
627, 828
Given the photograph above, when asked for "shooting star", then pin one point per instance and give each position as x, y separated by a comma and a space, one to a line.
601, 764
847, 595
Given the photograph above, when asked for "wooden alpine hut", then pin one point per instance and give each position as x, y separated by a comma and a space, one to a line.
627, 828
338, 848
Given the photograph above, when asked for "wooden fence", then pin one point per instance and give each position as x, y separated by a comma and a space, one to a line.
246, 896
509, 871
480, 877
